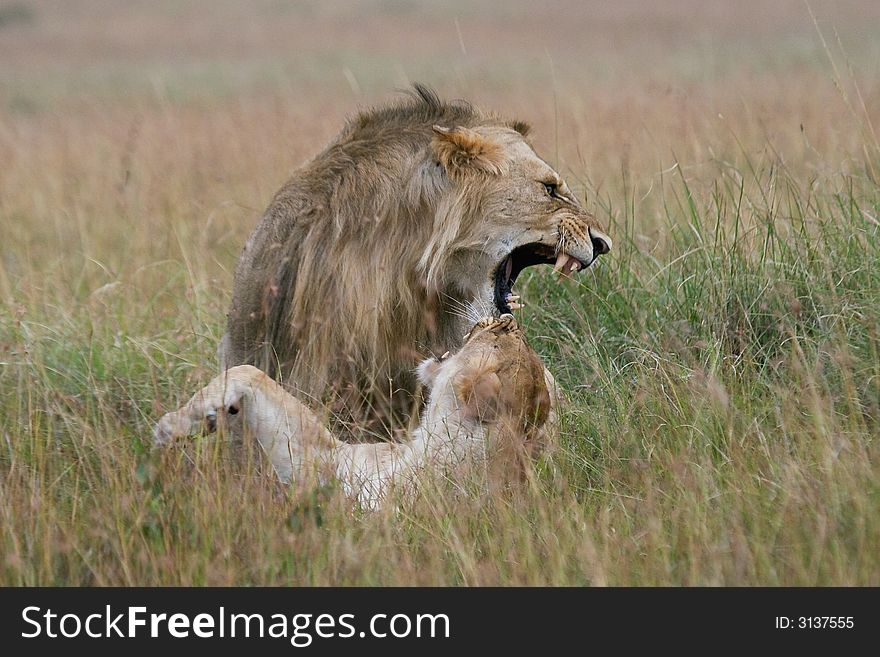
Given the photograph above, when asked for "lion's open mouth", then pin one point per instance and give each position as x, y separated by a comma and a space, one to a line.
524, 256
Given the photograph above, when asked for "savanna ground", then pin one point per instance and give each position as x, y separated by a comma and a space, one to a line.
722, 364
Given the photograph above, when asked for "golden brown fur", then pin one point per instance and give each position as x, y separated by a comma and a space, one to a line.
383, 248
488, 403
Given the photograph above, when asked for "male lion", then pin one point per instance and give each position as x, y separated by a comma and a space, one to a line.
414, 221
489, 399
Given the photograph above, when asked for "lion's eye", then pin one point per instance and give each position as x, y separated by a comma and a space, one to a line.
552, 189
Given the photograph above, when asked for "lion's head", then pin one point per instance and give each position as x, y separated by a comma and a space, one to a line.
387, 246
513, 211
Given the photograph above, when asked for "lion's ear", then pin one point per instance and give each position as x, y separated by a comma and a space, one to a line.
461, 149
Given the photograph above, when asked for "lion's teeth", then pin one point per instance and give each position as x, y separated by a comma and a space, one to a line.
444, 356
513, 305
561, 259
513, 297
566, 264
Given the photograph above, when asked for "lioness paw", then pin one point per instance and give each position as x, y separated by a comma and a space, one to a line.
167, 430
506, 322
189, 422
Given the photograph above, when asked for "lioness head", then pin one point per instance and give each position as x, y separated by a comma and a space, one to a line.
495, 378
522, 213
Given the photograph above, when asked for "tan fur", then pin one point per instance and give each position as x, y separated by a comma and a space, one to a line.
489, 398
461, 150
383, 248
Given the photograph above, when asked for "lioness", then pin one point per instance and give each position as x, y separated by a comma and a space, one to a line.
491, 396
414, 222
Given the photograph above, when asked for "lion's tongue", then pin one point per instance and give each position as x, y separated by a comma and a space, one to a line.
566, 265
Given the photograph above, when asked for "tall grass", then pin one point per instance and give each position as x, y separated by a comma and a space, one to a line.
722, 424
722, 365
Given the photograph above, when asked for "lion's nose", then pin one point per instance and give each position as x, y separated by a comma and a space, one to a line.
601, 242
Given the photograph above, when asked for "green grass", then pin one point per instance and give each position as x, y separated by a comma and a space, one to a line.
722, 425
722, 364
728, 395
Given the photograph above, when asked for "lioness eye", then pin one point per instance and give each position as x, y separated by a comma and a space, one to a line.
552, 189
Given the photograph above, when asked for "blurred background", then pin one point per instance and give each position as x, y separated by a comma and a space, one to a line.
605, 83
251, 89
55, 52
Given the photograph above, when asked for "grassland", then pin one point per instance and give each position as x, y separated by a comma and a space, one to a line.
722, 365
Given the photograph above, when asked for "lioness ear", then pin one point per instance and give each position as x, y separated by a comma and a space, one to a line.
427, 371
462, 149
479, 394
